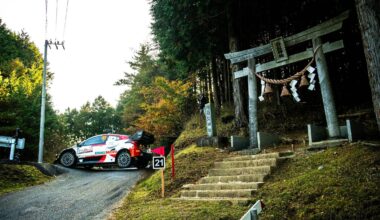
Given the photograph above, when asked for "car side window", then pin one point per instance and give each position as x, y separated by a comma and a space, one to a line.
113, 138
101, 139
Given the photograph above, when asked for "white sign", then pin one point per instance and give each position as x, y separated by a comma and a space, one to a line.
158, 162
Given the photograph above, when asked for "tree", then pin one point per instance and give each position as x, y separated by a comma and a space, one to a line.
92, 119
20, 93
240, 115
164, 106
104, 117
192, 36
145, 68
369, 21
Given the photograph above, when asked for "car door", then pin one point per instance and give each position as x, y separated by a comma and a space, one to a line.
112, 142
93, 147
111, 147
99, 145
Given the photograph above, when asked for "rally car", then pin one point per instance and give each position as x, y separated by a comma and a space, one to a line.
108, 149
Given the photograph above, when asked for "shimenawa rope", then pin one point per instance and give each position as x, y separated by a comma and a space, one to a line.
290, 78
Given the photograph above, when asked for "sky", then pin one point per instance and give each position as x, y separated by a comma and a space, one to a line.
100, 37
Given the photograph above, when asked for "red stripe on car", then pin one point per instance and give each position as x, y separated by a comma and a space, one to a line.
102, 159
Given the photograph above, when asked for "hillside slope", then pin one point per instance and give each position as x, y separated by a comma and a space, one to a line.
338, 183
16, 177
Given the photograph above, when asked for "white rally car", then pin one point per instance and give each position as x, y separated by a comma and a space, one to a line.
105, 149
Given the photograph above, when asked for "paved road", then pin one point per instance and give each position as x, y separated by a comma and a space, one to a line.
78, 194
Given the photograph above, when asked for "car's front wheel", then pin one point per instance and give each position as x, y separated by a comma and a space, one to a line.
124, 159
67, 159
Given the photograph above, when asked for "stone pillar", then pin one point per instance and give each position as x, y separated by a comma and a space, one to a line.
209, 112
326, 91
252, 104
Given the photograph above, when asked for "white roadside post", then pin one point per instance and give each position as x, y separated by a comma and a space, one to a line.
13, 148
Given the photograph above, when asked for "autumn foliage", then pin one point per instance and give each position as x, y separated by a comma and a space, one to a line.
164, 103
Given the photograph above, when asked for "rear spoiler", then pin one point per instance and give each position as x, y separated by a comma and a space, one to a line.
143, 137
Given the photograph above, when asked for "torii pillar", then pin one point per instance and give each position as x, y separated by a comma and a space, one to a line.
326, 91
252, 104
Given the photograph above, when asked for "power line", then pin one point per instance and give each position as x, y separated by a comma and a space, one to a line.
56, 18
64, 26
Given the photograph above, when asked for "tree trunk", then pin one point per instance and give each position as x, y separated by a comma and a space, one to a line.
369, 22
215, 86
205, 86
221, 79
209, 85
240, 116
225, 80
229, 77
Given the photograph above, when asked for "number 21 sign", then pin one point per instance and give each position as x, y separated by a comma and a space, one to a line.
158, 163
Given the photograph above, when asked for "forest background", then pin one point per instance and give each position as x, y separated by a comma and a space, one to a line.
185, 60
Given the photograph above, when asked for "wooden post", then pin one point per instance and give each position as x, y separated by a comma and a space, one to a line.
252, 103
327, 95
173, 163
162, 184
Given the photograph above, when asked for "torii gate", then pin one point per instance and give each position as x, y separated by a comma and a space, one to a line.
278, 47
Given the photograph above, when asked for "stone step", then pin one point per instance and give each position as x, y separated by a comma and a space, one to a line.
249, 151
246, 163
238, 201
240, 171
326, 143
237, 193
253, 157
223, 186
232, 179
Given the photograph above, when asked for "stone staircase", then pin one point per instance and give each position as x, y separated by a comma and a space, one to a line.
234, 179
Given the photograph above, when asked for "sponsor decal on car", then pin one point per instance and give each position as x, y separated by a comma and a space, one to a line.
100, 152
83, 150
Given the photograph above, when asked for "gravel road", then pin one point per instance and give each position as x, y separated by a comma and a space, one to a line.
77, 194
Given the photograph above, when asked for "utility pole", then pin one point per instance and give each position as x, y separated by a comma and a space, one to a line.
43, 99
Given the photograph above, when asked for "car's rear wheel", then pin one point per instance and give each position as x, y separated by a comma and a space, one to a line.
67, 159
124, 159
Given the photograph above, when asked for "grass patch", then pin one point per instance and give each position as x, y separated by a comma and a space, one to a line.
338, 183
16, 177
192, 163
194, 129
